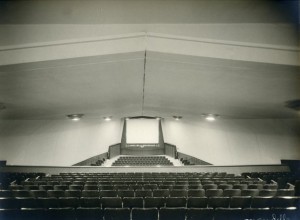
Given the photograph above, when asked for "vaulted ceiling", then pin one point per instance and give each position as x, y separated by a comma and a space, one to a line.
237, 59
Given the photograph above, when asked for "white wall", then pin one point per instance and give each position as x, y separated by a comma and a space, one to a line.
56, 142
223, 142
235, 142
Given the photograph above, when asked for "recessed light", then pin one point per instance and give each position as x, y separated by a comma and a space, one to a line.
75, 117
177, 118
108, 118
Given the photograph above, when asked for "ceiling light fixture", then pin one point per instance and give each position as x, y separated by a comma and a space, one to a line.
210, 117
177, 118
75, 117
108, 118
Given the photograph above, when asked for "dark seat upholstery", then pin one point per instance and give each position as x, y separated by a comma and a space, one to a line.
144, 214
172, 213
90, 213
61, 213
117, 214
229, 214
176, 202
154, 202
200, 213
111, 202
222, 202
240, 202
133, 202
197, 202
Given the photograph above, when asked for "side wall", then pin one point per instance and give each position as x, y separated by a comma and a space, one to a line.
56, 142
235, 141
223, 142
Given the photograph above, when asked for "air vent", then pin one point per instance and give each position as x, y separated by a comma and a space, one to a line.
293, 104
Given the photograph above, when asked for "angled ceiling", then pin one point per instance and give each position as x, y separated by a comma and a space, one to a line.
47, 78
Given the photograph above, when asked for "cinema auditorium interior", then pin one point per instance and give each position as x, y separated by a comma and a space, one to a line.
149, 110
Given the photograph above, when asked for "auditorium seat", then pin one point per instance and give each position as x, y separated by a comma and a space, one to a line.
20, 193
6, 193
9, 214
214, 192
240, 202
106, 187
255, 186
31, 187
111, 202
90, 193
108, 193
75, 187
133, 202
38, 193
48, 202
144, 214
250, 192
200, 213
73, 193
229, 214
69, 202
240, 186
117, 214
196, 193
225, 186
270, 186
16, 187
172, 213
125, 193
232, 192
154, 202
178, 193
31, 214
9, 203
261, 202
285, 202
258, 213
176, 202
285, 192
90, 202
46, 187
143, 193
195, 186
197, 202
90, 213
60, 187
209, 186
56, 193
215, 202
28, 203
161, 193
61, 213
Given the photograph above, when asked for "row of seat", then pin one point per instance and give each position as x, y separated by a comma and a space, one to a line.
149, 214
142, 161
147, 202
144, 193
165, 185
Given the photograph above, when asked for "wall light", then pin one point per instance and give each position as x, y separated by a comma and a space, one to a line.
75, 117
107, 118
177, 118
